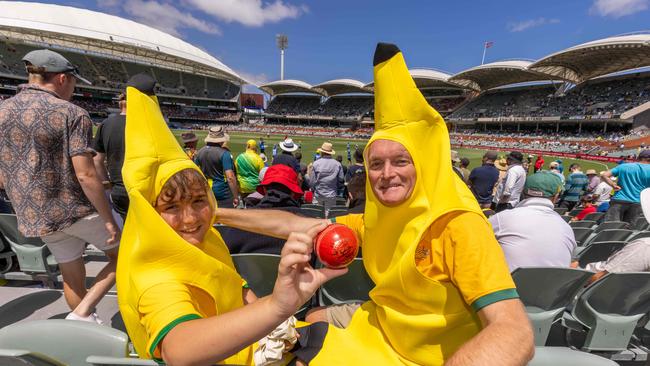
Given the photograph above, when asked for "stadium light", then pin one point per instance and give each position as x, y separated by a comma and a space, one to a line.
282, 41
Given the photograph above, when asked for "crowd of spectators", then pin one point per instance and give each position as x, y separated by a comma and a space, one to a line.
341, 106
594, 99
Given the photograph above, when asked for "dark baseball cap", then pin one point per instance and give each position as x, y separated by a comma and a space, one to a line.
491, 155
143, 82
53, 62
516, 156
644, 154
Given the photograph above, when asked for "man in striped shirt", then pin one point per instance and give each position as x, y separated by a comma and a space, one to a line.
574, 188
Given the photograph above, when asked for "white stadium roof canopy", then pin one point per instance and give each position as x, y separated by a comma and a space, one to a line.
341, 86
592, 59
288, 86
428, 78
104, 34
500, 73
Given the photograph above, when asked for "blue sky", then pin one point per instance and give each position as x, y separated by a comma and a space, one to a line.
331, 39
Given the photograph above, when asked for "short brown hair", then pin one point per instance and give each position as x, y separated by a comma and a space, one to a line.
183, 183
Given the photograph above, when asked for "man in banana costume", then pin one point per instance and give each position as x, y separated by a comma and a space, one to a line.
443, 291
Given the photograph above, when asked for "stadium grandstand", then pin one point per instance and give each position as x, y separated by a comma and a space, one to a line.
192, 85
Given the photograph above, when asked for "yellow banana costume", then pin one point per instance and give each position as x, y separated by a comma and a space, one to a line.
411, 319
153, 257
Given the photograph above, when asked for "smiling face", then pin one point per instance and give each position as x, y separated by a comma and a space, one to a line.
391, 172
184, 205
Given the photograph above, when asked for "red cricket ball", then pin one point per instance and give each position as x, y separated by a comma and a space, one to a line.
336, 246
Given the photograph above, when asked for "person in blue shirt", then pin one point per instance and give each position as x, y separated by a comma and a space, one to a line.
632, 179
216, 163
262, 146
349, 153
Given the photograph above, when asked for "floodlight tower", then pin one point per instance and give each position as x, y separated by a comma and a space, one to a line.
282, 41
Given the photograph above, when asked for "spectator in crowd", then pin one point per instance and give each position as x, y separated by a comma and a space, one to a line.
554, 167
302, 178
509, 191
574, 188
454, 162
326, 177
533, 234
264, 159
216, 163
634, 257
602, 194
347, 149
357, 194
560, 166
357, 167
51, 179
109, 145
527, 163
464, 163
280, 189
483, 179
189, 140
339, 158
176, 279
539, 163
594, 180
287, 147
415, 224
248, 166
262, 146
632, 178
587, 203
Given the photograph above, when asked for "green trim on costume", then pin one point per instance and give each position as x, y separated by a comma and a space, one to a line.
497, 296
245, 285
166, 330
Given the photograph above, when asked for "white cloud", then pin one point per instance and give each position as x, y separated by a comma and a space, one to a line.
618, 8
252, 13
255, 79
162, 16
530, 23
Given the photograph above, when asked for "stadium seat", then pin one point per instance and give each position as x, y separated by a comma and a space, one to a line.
259, 270
563, 356
24, 357
574, 212
546, 291
608, 225
640, 224
560, 210
599, 251
354, 286
33, 255
639, 235
581, 234
567, 218
609, 235
609, 310
66, 341
336, 211
315, 212
120, 361
6, 254
594, 216
583, 223
341, 201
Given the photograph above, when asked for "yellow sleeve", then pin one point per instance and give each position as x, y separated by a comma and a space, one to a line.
476, 262
260, 163
354, 222
163, 307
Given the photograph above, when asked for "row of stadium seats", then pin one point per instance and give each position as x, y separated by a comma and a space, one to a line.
609, 97
114, 73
